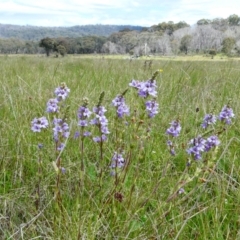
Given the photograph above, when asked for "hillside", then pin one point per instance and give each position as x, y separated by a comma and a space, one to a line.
37, 33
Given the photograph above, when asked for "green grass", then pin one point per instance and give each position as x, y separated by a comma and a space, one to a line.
209, 208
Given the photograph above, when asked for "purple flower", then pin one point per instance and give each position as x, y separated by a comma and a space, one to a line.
86, 134
152, 108
117, 162
118, 101
226, 114
94, 121
148, 88
171, 147
208, 120
181, 191
200, 145
122, 108
83, 123
76, 135
135, 83
97, 139
62, 92
103, 138
52, 105
83, 112
104, 129
60, 131
99, 110
101, 121
63, 170
60, 147
175, 128
39, 123
197, 147
40, 146
211, 142
145, 88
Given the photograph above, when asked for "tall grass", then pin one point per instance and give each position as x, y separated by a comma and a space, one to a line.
145, 202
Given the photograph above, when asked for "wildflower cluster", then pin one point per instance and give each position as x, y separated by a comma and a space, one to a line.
52, 106
152, 108
62, 92
171, 147
121, 107
60, 132
145, 89
60, 127
118, 162
211, 142
83, 114
174, 129
226, 114
209, 119
39, 123
101, 121
200, 145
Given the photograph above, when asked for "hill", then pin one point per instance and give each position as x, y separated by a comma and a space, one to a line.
37, 33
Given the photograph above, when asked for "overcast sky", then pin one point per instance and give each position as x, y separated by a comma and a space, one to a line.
117, 12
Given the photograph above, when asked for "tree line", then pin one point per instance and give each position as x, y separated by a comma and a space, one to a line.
35, 33
207, 36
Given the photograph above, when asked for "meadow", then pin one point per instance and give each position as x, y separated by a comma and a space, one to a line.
143, 178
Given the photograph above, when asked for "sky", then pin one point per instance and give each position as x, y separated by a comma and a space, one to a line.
145, 13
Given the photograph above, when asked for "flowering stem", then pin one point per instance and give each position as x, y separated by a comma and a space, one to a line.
37, 202
101, 161
126, 165
58, 193
82, 152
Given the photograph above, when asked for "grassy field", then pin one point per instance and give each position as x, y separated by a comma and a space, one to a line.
77, 192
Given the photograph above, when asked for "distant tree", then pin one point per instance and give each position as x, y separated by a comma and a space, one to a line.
125, 30
220, 24
163, 45
62, 41
185, 43
48, 44
144, 29
203, 22
88, 44
228, 45
112, 48
205, 37
233, 20
30, 47
174, 46
181, 24
99, 41
168, 27
141, 50
61, 50
171, 27
212, 52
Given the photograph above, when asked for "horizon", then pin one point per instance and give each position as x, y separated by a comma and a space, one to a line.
62, 13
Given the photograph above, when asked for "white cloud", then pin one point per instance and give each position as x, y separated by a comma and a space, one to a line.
134, 12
